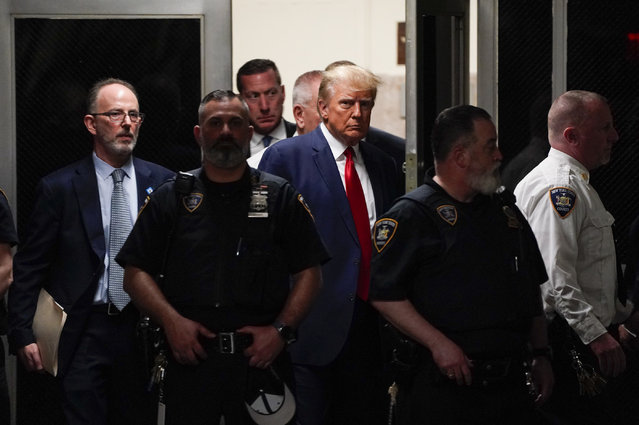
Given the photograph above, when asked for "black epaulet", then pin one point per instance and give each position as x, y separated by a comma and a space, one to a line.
184, 182
504, 196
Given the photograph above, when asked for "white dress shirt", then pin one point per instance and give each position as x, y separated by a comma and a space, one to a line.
278, 133
338, 149
574, 233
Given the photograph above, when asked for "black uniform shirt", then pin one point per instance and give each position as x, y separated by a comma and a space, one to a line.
7, 235
234, 267
7, 229
473, 270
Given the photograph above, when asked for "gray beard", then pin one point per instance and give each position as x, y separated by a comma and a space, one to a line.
227, 155
485, 184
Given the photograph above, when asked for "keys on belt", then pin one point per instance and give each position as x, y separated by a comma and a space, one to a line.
229, 343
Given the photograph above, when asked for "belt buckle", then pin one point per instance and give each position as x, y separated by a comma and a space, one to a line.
226, 341
112, 310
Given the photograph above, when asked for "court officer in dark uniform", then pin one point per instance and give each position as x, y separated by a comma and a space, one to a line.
458, 270
8, 239
242, 269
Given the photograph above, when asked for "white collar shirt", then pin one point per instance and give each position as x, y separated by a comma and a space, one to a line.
278, 133
338, 148
574, 233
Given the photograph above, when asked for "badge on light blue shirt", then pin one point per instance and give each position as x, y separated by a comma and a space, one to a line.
563, 200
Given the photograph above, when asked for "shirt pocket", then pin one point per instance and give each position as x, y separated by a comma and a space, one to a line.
600, 242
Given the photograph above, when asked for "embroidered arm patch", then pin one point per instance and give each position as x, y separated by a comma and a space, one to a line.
563, 200
384, 231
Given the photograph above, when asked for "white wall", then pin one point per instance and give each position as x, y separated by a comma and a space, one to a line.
301, 35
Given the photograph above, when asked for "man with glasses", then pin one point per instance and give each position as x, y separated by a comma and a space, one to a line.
260, 84
81, 217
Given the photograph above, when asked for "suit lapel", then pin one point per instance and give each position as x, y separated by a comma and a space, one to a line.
327, 168
86, 190
374, 168
143, 180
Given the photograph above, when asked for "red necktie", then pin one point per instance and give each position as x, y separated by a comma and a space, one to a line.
356, 199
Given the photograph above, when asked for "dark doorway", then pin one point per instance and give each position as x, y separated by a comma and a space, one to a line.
57, 61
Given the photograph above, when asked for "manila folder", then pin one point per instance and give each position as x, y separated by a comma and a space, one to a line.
47, 326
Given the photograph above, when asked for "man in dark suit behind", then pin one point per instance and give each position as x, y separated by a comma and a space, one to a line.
260, 85
336, 359
68, 251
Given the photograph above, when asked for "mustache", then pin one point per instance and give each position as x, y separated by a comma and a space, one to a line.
226, 140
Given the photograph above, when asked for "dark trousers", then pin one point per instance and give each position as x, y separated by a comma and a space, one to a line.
353, 388
201, 394
5, 416
106, 380
431, 398
616, 404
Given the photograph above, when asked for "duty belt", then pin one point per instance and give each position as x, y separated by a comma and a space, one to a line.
229, 343
488, 372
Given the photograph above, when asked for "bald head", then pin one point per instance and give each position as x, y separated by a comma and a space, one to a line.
305, 111
570, 109
580, 124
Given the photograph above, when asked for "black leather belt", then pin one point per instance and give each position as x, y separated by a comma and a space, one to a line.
497, 371
228, 343
109, 309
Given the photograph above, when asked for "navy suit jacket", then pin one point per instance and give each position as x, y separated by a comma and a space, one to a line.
307, 162
392, 145
63, 250
290, 128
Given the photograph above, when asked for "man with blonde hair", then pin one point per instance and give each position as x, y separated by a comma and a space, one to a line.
346, 183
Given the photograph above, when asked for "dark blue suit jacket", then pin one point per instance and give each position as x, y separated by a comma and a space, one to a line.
307, 163
63, 250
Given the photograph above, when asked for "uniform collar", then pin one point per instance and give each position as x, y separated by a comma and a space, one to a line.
575, 166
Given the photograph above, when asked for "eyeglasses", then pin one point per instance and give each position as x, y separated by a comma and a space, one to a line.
118, 116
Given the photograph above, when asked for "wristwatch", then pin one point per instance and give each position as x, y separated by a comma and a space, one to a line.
288, 334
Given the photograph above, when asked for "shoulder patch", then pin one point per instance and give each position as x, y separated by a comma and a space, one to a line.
302, 201
563, 200
384, 231
192, 201
448, 213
